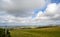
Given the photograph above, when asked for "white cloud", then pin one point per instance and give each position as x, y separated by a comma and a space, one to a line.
51, 15
51, 8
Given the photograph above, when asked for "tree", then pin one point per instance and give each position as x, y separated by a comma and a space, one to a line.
4, 33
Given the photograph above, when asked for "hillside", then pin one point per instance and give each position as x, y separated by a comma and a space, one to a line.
41, 32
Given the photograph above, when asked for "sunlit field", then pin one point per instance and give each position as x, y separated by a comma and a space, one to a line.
41, 32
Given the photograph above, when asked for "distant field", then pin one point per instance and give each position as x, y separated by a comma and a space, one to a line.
43, 32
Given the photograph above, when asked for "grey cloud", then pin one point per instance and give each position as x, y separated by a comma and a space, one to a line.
21, 8
25, 8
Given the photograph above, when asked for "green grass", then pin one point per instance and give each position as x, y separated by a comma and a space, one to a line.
43, 32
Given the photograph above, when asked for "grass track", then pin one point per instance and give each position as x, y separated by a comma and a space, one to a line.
43, 32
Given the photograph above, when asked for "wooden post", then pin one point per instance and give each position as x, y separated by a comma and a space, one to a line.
6, 31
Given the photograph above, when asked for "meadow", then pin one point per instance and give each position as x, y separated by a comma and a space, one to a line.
40, 32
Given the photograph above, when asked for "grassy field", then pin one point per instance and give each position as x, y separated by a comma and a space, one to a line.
43, 32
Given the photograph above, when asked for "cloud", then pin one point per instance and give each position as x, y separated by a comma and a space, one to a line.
53, 11
13, 12
21, 8
50, 15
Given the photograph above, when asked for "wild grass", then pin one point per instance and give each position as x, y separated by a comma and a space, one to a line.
41, 32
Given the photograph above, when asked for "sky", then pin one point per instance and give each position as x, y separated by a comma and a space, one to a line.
29, 12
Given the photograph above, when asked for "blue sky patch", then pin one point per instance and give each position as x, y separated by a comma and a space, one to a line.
55, 1
36, 11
